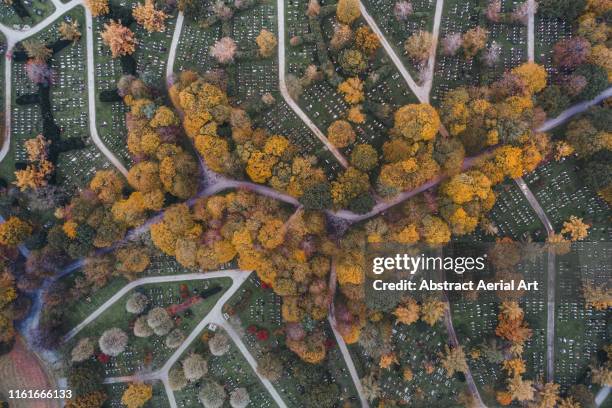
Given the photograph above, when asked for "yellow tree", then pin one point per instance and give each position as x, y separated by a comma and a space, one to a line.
70, 31
341, 133
407, 313
577, 229
418, 46
107, 184
266, 41
416, 122
146, 15
348, 11
533, 75
473, 41
14, 231
366, 40
352, 89
119, 39
432, 310
136, 395
521, 390
97, 7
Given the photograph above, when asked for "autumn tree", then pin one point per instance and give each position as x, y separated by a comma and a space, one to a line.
147, 16
14, 231
37, 50
119, 39
266, 41
352, 61
224, 50
521, 390
533, 75
347, 11
97, 7
416, 122
473, 41
569, 53
451, 44
352, 89
453, 360
364, 157
432, 311
341, 133
70, 31
107, 185
136, 395
576, 228
418, 46
366, 40
408, 312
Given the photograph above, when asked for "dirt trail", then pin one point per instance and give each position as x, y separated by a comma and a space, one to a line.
21, 369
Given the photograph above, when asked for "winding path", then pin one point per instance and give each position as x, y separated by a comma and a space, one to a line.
282, 84
551, 279
215, 316
91, 94
421, 94
15, 36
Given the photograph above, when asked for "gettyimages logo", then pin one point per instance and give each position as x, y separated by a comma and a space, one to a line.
411, 264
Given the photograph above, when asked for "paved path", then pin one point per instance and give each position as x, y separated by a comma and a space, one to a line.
91, 94
531, 10
448, 322
551, 280
214, 316
417, 90
601, 396
348, 360
431, 62
574, 110
176, 36
15, 36
282, 84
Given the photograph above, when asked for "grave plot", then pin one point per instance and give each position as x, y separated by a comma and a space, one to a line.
186, 302
255, 312
20, 14
324, 103
513, 216
79, 158
148, 62
580, 329
396, 28
227, 368
549, 31
414, 373
7, 165
561, 193
508, 37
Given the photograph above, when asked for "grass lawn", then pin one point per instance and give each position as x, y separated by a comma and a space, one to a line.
151, 352
561, 192
261, 309
513, 215
230, 370
37, 9
151, 56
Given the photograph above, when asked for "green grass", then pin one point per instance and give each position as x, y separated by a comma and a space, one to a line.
561, 192
141, 349
230, 370
261, 308
151, 57
9, 18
